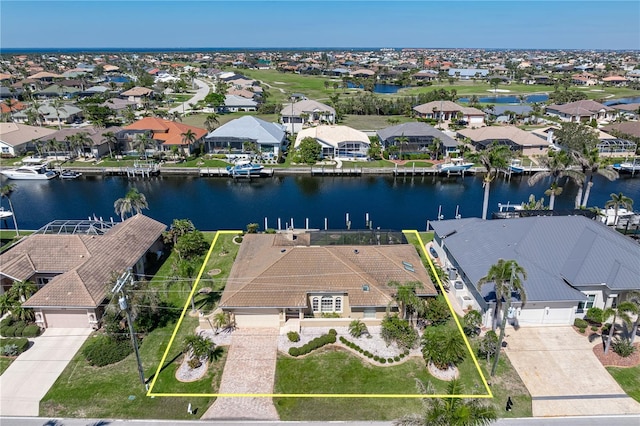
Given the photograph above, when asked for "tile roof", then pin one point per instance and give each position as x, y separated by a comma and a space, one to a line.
167, 131
137, 91
511, 133
305, 106
86, 263
267, 273
430, 107
579, 108
17, 134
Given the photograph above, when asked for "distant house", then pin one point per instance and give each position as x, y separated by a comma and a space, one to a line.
234, 103
283, 277
516, 139
467, 73
337, 141
425, 75
166, 133
49, 116
448, 111
16, 139
231, 137
573, 263
420, 136
99, 145
615, 80
581, 111
294, 116
73, 263
139, 95
629, 129
629, 111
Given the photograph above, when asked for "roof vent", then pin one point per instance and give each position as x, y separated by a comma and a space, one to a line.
356, 251
283, 250
365, 287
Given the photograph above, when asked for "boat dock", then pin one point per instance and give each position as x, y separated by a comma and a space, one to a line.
333, 171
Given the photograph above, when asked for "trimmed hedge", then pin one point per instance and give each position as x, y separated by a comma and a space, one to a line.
104, 350
580, 323
31, 331
293, 336
11, 328
316, 343
20, 342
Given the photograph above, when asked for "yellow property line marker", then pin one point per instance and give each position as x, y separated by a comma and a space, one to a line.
315, 395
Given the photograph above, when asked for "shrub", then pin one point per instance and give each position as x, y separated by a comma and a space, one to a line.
31, 330
390, 360
594, 328
383, 360
397, 358
437, 311
104, 350
442, 347
194, 362
9, 350
6, 322
345, 341
402, 355
376, 358
18, 328
594, 315
580, 323
8, 331
623, 347
582, 330
20, 344
333, 331
293, 336
357, 328
316, 343
398, 330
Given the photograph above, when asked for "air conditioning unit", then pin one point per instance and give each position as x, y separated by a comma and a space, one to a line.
458, 285
453, 272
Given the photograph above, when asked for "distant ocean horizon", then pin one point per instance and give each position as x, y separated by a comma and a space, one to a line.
32, 50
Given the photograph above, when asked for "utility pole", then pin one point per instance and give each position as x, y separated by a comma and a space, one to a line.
125, 278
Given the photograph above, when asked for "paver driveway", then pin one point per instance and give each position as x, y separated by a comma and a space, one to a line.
250, 369
563, 376
30, 376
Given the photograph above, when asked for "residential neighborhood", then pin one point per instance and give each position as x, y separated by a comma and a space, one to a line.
528, 310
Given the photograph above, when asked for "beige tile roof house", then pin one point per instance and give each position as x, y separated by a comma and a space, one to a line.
449, 111
525, 142
275, 278
74, 271
15, 138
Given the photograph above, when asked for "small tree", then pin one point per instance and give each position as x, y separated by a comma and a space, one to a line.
443, 347
309, 151
437, 311
471, 323
357, 328
252, 228
200, 347
488, 344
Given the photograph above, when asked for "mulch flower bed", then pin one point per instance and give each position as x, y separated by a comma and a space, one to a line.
612, 359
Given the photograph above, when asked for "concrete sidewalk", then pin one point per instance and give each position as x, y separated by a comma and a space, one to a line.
563, 376
32, 374
250, 369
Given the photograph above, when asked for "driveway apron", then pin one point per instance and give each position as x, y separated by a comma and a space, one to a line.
250, 369
32, 374
563, 376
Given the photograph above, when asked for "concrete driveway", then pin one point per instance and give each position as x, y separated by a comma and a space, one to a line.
32, 374
201, 93
563, 376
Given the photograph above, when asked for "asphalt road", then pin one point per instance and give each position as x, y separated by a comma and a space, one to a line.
556, 421
201, 93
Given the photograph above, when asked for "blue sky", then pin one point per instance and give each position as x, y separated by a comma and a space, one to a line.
541, 24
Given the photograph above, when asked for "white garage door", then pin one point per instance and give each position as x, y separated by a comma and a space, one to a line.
63, 318
262, 318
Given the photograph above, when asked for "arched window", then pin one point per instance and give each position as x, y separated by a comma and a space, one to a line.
314, 304
326, 304
338, 304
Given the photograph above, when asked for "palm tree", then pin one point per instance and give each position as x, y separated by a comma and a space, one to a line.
58, 106
589, 162
189, 138
211, 121
143, 141
223, 320
82, 141
556, 166
622, 311
5, 192
450, 410
493, 158
23, 290
132, 201
633, 297
199, 346
400, 141
110, 138
406, 298
617, 201
507, 276
435, 148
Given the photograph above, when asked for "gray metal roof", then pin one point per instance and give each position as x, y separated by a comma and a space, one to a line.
250, 128
554, 250
413, 129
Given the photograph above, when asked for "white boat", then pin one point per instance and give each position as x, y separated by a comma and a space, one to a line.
36, 172
516, 166
69, 174
245, 168
608, 216
455, 165
632, 166
5, 214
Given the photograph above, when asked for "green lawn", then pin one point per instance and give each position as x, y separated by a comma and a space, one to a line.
5, 363
115, 390
628, 379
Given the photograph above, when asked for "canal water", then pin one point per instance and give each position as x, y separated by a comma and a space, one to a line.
224, 203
